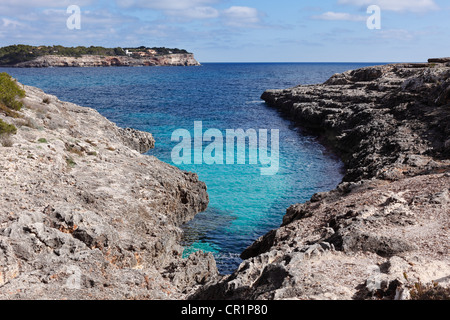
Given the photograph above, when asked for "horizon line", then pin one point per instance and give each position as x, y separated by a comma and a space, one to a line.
384, 62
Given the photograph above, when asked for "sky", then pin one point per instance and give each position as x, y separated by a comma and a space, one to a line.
240, 30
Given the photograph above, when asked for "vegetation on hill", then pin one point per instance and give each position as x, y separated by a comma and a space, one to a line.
6, 128
159, 50
11, 55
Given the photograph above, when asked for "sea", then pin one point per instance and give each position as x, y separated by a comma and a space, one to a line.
244, 204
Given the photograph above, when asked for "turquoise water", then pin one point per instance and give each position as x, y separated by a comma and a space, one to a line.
243, 203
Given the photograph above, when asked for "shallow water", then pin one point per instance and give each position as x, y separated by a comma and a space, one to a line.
243, 203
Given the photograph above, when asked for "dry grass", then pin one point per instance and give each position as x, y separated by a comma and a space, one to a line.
9, 112
75, 149
6, 141
431, 291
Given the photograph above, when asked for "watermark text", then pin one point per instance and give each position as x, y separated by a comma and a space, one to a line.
229, 149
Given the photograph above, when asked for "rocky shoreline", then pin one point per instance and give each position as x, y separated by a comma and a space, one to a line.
176, 59
84, 215
383, 232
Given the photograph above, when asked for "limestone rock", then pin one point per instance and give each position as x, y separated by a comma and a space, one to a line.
175, 59
84, 215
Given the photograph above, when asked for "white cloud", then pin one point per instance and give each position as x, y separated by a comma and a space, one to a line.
339, 16
165, 4
49, 26
14, 7
44, 3
11, 23
396, 5
397, 35
241, 16
195, 13
236, 16
187, 9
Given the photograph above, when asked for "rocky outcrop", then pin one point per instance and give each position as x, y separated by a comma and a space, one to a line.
385, 228
439, 60
386, 122
84, 215
179, 59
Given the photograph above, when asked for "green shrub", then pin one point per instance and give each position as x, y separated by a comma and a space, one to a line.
70, 162
6, 128
10, 92
42, 140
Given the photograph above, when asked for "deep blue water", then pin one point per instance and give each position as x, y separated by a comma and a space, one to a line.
243, 204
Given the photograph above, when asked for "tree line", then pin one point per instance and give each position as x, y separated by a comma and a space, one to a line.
20, 53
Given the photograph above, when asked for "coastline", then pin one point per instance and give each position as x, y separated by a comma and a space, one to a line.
378, 234
85, 215
381, 234
185, 59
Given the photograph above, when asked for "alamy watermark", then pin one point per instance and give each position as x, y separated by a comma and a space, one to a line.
74, 279
74, 20
374, 21
190, 150
373, 282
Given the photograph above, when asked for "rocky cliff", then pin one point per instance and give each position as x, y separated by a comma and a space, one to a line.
384, 232
84, 215
109, 61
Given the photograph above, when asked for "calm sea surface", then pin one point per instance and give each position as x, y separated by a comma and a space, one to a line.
243, 204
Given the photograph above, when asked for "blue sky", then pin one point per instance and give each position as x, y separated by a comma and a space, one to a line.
240, 30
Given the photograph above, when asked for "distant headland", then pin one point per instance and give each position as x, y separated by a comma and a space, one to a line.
26, 56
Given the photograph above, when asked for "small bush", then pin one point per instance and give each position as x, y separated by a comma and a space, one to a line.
10, 92
46, 100
6, 141
6, 128
42, 140
70, 162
